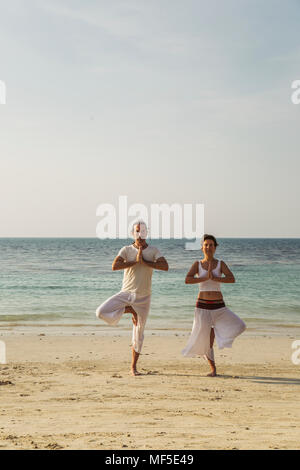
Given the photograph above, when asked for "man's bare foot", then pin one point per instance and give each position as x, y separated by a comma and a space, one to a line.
135, 372
129, 309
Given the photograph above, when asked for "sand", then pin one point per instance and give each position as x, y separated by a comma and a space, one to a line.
75, 392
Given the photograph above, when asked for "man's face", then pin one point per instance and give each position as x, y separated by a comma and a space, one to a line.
140, 232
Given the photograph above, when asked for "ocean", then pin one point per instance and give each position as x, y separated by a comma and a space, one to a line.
60, 282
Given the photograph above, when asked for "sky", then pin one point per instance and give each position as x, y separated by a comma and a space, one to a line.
160, 101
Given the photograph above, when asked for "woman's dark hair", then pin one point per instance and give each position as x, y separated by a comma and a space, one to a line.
209, 237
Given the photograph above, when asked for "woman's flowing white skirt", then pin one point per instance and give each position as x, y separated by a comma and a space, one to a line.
227, 326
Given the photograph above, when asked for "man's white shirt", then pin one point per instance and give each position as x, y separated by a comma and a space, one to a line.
138, 278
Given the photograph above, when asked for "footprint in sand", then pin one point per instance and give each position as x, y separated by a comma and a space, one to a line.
53, 446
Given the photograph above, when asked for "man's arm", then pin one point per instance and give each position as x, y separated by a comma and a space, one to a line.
161, 263
120, 263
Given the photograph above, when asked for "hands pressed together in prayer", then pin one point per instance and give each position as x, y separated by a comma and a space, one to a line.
161, 263
210, 275
139, 256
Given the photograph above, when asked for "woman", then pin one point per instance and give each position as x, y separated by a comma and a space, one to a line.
212, 317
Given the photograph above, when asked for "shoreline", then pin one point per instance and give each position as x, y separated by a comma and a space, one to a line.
254, 328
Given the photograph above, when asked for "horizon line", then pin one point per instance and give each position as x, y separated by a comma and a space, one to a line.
149, 238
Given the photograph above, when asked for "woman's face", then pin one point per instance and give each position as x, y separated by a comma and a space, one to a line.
208, 247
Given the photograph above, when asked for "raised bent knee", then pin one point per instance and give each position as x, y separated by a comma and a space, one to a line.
243, 326
98, 311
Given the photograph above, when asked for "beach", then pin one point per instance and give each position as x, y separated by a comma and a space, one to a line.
150, 155
74, 391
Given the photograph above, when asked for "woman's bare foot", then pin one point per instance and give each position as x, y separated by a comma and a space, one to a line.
135, 372
213, 368
212, 374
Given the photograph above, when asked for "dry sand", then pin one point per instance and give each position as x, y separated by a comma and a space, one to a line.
75, 392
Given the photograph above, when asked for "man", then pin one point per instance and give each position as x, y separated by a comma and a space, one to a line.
138, 261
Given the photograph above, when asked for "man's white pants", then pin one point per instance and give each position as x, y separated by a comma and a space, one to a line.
113, 308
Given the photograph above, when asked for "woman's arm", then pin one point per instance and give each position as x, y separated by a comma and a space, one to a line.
229, 277
190, 277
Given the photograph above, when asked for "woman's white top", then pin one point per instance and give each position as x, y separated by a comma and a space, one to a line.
210, 285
